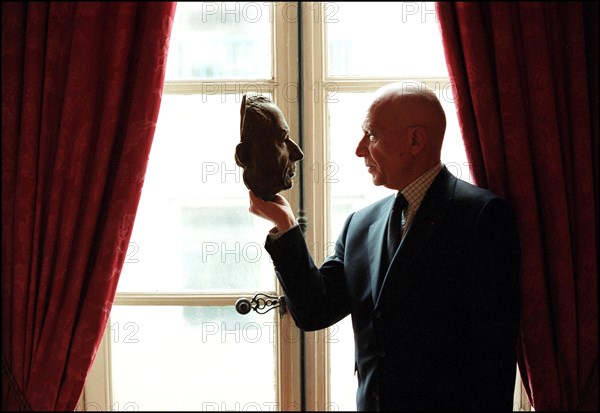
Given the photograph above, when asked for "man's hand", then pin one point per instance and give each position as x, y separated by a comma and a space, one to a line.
278, 211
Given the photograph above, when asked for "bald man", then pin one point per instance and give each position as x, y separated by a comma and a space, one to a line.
266, 152
435, 316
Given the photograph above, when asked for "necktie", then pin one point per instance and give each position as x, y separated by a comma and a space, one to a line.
394, 233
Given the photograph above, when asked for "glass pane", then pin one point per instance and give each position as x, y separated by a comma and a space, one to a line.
171, 358
395, 39
352, 189
193, 231
343, 382
221, 40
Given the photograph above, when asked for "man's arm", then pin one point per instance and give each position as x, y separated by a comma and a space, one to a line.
317, 297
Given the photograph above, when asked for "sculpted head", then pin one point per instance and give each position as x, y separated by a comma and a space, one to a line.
265, 152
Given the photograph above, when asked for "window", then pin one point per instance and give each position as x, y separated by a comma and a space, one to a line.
174, 340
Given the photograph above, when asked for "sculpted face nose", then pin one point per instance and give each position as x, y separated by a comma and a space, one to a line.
296, 153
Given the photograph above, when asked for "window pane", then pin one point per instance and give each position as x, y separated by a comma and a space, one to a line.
193, 231
220, 40
351, 187
383, 39
171, 358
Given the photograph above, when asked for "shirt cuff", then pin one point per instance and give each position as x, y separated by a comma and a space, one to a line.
275, 234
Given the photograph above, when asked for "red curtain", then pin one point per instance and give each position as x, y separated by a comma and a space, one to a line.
525, 79
81, 90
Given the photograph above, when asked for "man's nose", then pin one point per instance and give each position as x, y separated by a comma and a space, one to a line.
361, 149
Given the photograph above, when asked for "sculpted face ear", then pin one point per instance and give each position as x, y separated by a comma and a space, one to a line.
242, 158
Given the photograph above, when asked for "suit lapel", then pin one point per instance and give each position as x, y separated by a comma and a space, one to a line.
375, 245
432, 212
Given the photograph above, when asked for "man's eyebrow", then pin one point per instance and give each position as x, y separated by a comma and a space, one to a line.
365, 125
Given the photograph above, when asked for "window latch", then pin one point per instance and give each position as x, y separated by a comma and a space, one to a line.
261, 303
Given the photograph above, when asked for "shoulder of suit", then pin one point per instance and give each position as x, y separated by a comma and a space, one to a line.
377, 205
468, 192
373, 211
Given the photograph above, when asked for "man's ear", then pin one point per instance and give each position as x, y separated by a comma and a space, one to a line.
242, 158
418, 139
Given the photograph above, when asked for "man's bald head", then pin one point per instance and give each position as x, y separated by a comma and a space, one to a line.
403, 134
413, 103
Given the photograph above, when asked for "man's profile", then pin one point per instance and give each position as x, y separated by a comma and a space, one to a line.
265, 151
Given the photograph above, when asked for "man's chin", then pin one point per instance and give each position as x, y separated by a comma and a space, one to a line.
376, 180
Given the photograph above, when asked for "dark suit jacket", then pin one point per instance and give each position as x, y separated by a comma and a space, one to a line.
441, 333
